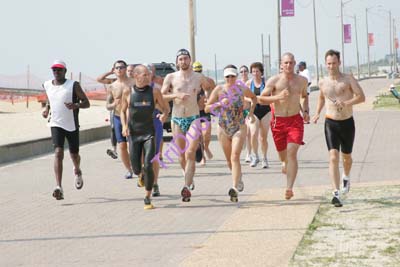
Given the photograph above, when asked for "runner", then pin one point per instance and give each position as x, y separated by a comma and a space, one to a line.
65, 98
228, 101
284, 91
244, 77
139, 127
182, 87
260, 127
340, 92
202, 99
117, 86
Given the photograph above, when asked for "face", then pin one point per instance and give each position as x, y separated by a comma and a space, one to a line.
183, 62
244, 72
120, 69
287, 64
59, 73
230, 79
301, 68
332, 64
256, 73
129, 71
142, 77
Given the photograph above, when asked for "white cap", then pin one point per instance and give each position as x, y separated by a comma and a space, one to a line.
59, 64
230, 71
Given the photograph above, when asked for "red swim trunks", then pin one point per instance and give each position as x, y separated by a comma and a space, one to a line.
287, 130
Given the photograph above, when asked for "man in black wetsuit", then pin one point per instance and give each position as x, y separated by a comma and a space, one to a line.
139, 127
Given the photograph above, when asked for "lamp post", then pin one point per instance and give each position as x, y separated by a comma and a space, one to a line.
390, 37
358, 54
316, 43
192, 31
279, 32
342, 4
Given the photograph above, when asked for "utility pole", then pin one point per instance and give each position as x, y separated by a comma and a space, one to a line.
191, 31
28, 74
279, 32
366, 23
394, 47
262, 53
316, 43
341, 27
269, 54
358, 54
390, 41
215, 68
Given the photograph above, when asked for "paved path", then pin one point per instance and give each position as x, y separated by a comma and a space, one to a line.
104, 224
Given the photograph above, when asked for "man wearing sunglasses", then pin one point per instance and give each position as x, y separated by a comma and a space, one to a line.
114, 95
65, 98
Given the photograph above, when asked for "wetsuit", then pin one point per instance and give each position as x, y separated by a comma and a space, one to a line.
142, 133
261, 110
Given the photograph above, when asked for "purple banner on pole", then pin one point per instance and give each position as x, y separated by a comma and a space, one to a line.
287, 8
347, 33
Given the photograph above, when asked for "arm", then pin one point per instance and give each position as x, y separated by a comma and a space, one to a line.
248, 94
46, 110
305, 109
212, 103
163, 105
123, 114
266, 96
320, 104
103, 78
111, 103
83, 100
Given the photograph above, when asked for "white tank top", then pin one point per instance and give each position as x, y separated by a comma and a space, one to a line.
61, 116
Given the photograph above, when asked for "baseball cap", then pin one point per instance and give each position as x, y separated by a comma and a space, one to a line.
182, 52
197, 67
230, 71
59, 64
302, 63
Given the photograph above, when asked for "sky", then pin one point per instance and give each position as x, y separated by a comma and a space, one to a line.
89, 35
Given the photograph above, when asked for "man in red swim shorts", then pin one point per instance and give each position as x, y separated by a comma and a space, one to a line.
284, 91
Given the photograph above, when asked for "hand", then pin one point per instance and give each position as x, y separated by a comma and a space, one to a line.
125, 131
315, 118
283, 95
45, 113
182, 96
306, 117
339, 104
162, 117
71, 105
251, 118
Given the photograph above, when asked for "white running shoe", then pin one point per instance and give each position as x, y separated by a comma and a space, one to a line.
346, 185
78, 179
248, 158
254, 161
265, 163
336, 199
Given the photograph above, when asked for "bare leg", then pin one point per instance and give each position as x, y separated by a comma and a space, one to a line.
226, 144
190, 156
237, 142
156, 168
334, 168
207, 139
123, 151
254, 132
347, 163
180, 142
292, 165
264, 128
58, 164
76, 160
283, 158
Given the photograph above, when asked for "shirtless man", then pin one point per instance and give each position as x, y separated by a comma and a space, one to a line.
340, 92
114, 95
284, 90
182, 87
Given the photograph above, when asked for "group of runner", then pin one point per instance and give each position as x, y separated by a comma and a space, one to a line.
245, 110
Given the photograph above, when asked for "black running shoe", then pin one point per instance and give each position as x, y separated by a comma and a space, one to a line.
185, 193
112, 154
233, 193
156, 190
336, 200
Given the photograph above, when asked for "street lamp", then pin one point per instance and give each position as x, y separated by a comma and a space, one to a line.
366, 23
390, 36
342, 4
358, 54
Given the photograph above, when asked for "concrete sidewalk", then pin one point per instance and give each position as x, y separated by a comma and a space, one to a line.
104, 224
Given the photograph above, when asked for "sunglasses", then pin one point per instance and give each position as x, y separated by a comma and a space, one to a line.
120, 67
57, 69
230, 76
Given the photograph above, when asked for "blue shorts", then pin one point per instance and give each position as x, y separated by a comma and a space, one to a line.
158, 126
118, 129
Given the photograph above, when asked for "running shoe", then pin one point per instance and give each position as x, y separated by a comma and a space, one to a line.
254, 161
147, 204
248, 158
265, 163
140, 182
346, 185
336, 199
233, 193
128, 175
112, 154
185, 193
58, 193
191, 187
240, 186
156, 190
78, 179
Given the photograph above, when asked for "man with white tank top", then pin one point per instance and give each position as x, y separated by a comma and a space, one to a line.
65, 98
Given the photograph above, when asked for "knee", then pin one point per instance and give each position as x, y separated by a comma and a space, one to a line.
123, 145
235, 157
347, 159
59, 154
333, 158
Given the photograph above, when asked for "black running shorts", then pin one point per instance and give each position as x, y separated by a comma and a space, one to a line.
58, 136
339, 135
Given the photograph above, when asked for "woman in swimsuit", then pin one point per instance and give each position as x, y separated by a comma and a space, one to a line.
260, 127
226, 102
